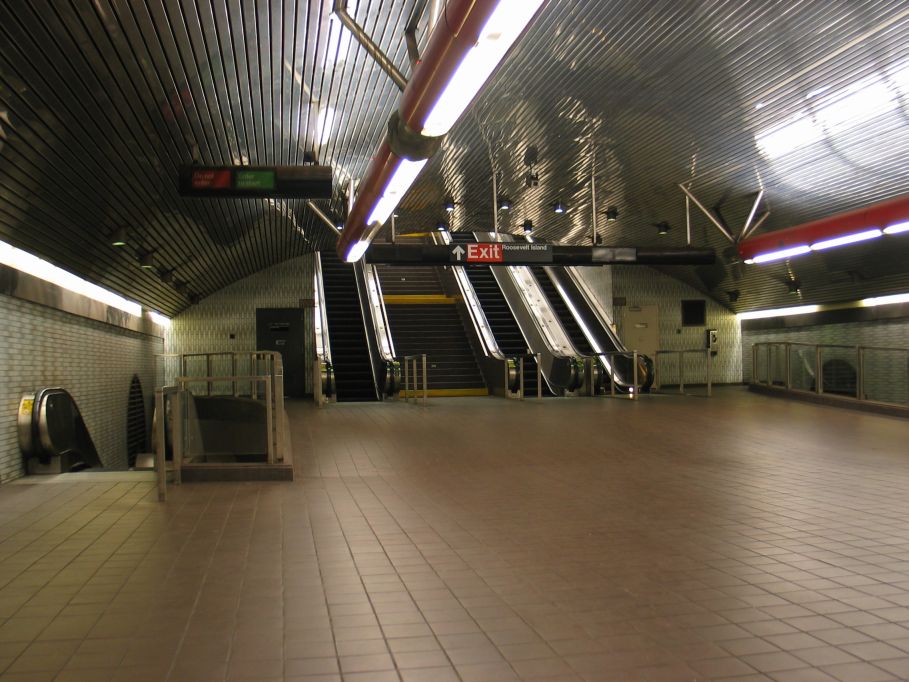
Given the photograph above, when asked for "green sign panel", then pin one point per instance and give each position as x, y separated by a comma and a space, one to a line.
254, 179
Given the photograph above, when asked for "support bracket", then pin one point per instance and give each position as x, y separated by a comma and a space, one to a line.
340, 10
410, 33
707, 212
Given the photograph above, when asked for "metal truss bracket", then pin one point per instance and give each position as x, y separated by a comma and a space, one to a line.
410, 33
340, 10
749, 228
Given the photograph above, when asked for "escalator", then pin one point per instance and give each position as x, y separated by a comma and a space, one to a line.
603, 341
53, 437
352, 368
562, 311
504, 327
422, 319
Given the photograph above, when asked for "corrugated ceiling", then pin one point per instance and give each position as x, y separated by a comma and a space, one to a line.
105, 100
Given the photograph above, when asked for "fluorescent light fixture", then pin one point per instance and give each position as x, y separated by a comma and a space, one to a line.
159, 319
781, 254
36, 267
846, 239
779, 312
400, 181
897, 228
884, 300
356, 251
506, 23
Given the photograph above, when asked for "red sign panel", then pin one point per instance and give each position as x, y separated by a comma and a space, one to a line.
211, 179
484, 253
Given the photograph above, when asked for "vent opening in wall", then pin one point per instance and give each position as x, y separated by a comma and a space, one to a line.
135, 421
694, 313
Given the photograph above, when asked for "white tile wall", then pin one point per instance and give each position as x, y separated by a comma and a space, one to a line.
207, 327
95, 362
642, 286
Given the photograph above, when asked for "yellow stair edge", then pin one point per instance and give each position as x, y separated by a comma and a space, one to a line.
450, 392
418, 299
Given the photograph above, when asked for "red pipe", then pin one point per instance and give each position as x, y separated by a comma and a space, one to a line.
457, 31
878, 215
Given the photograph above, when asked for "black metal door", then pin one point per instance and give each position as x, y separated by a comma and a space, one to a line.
281, 329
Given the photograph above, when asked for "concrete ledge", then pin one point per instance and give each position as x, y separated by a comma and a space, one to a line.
202, 473
832, 400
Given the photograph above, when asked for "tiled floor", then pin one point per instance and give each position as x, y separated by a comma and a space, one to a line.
742, 538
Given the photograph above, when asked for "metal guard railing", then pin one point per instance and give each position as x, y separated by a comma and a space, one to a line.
873, 374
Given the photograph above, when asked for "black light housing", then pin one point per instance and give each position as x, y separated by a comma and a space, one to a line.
504, 204
119, 237
662, 227
167, 276
733, 295
558, 207
528, 226
612, 214
794, 286
442, 227
147, 260
449, 205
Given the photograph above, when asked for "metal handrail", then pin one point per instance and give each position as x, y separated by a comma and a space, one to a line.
861, 393
176, 412
681, 353
633, 389
520, 362
407, 360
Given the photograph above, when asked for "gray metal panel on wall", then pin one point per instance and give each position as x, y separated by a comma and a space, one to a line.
101, 101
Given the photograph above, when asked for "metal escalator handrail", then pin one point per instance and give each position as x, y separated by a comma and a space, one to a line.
474, 309
320, 319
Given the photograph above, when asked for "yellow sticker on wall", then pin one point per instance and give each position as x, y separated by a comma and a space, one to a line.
26, 407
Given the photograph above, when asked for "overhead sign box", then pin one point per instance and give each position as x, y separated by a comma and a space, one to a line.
285, 182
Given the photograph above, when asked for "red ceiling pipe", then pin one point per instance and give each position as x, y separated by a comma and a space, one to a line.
456, 32
878, 215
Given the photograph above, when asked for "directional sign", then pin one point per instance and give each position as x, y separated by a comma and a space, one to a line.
308, 181
516, 253
484, 253
504, 253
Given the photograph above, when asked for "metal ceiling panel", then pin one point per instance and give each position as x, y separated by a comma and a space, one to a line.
106, 99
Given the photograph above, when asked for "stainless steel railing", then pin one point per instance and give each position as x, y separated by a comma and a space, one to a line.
680, 354
260, 377
874, 374
633, 390
411, 361
175, 396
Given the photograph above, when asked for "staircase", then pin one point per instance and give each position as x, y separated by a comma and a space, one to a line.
353, 372
423, 319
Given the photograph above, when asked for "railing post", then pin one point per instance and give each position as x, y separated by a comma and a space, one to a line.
161, 445
425, 382
233, 372
754, 348
787, 349
709, 373
521, 372
612, 375
539, 357
656, 371
634, 369
860, 379
769, 371
176, 434
819, 369
681, 373
269, 419
406, 378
